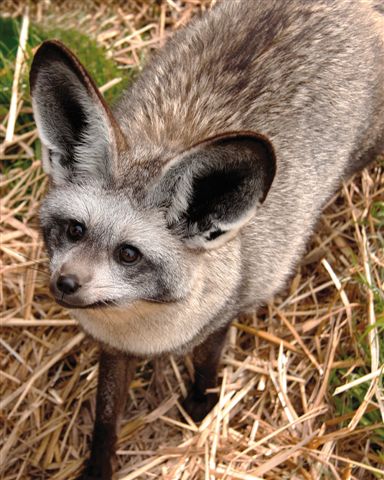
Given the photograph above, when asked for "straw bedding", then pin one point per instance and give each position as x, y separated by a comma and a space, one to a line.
279, 414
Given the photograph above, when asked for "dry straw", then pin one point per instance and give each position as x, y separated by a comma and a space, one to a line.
276, 415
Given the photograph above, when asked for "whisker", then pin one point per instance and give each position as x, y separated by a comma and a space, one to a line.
138, 313
155, 300
37, 284
34, 269
39, 270
37, 260
106, 315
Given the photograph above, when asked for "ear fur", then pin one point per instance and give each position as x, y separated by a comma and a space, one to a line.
77, 129
213, 189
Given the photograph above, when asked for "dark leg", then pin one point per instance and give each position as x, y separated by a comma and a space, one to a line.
206, 358
116, 371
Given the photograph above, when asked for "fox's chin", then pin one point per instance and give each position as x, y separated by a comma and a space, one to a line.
109, 303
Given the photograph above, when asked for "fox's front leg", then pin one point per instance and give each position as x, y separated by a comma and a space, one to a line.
206, 359
116, 371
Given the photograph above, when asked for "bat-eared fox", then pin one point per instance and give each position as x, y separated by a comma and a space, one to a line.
193, 198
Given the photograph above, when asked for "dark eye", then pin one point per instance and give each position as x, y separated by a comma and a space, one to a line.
75, 231
128, 254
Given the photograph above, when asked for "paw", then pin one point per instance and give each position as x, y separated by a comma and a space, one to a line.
86, 476
91, 476
102, 471
198, 406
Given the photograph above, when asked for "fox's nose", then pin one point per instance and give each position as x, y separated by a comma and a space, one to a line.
68, 284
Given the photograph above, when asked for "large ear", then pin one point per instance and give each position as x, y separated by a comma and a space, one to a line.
76, 127
213, 189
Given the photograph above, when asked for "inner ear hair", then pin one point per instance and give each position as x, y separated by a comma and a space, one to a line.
75, 125
216, 186
214, 234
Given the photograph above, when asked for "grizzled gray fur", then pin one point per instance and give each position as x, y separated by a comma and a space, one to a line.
192, 200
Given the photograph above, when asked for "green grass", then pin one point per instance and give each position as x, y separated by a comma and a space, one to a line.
350, 400
90, 54
377, 212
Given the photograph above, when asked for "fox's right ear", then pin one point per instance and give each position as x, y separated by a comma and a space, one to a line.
77, 129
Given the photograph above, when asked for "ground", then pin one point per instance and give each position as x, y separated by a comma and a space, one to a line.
301, 394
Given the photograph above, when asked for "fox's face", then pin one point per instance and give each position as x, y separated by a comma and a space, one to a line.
121, 230
105, 251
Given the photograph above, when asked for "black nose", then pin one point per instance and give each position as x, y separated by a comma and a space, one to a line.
68, 284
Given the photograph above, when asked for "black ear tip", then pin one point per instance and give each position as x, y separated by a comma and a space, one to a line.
52, 43
50, 48
48, 51
54, 51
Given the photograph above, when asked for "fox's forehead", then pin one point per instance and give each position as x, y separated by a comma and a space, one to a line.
113, 215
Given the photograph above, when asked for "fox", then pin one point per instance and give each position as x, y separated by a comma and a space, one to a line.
192, 199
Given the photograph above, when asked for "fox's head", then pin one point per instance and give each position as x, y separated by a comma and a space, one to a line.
117, 230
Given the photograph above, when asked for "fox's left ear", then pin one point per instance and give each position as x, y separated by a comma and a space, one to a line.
213, 189
78, 132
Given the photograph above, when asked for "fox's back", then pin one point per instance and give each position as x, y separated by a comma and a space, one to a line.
293, 71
